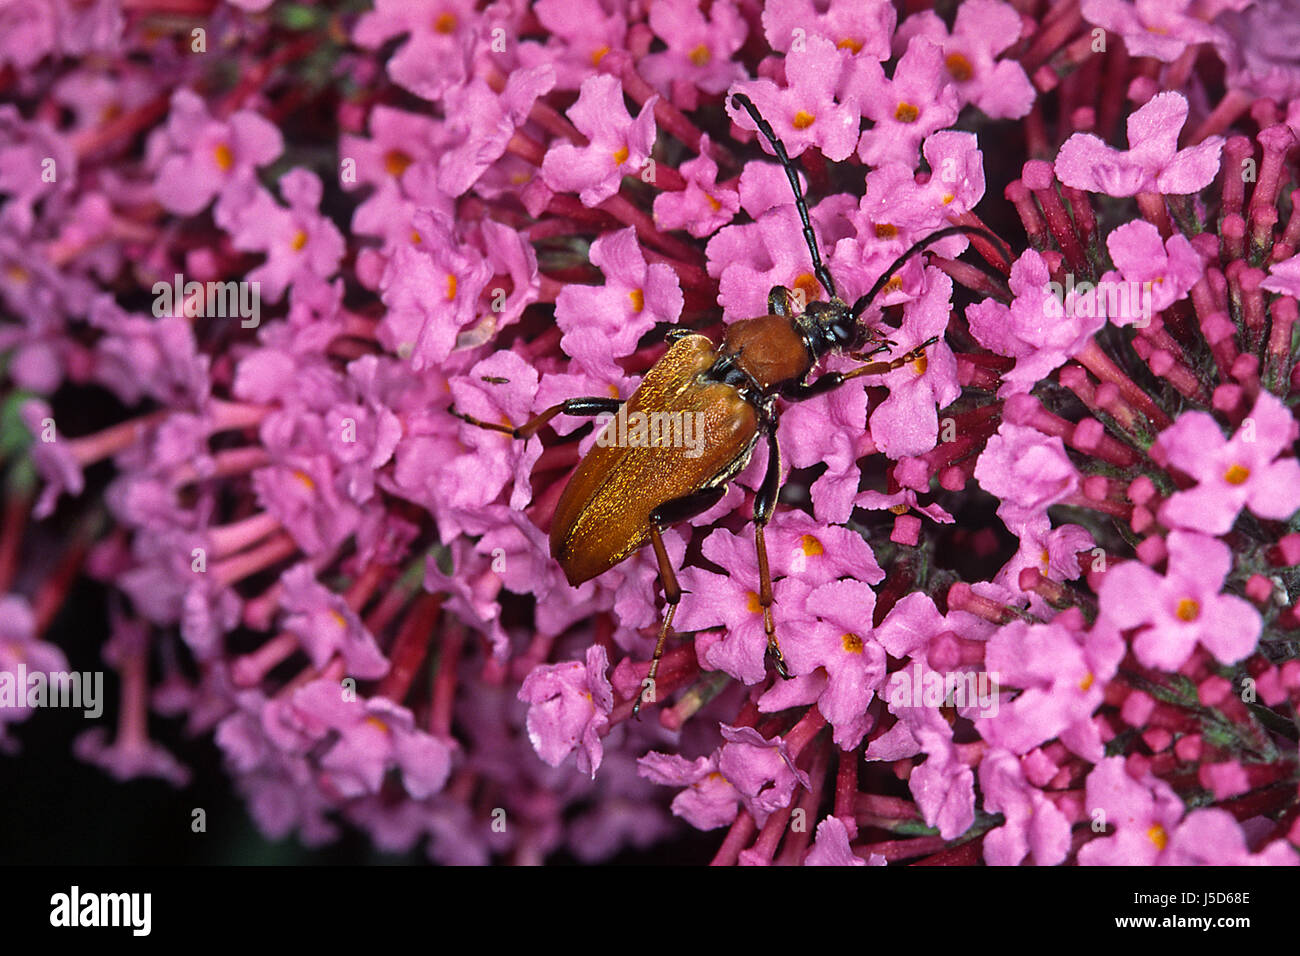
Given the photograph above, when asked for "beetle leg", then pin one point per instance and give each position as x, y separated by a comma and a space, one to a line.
589, 407
801, 391
764, 504
671, 512
779, 301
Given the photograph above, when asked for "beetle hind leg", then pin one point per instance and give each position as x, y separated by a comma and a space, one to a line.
587, 406
764, 505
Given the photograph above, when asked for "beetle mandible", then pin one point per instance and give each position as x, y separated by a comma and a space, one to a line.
619, 497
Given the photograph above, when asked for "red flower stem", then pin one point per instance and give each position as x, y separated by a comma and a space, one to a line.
1228, 110
905, 849
16, 511
444, 682
1100, 364
741, 830
796, 841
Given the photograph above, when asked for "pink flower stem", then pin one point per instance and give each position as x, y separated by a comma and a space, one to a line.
240, 566
1224, 114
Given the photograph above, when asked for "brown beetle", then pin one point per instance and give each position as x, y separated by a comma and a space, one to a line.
618, 497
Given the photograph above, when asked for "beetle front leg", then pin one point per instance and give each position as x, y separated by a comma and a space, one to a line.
764, 505
588, 406
801, 391
671, 512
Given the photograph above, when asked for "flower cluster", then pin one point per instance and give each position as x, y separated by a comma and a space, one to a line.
1037, 591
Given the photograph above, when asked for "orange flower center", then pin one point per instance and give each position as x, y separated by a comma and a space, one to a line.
638, 300
396, 162
807, 284
620, 156
849, 43
299, 240
701, 56
1158, 836
802, 120
755, 606
1188, 610
451, 287
598, 54
906, 113
224, 156
445, 23
811, 546
885, 230
959, 67
1236, 475
852, 643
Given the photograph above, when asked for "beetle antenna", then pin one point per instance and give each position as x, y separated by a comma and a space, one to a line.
820, 271
860, 306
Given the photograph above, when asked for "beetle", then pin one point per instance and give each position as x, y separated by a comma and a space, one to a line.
619, 497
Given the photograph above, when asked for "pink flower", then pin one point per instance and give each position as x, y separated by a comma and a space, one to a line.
1171, 266
569, 705
1284, 277
701, 208
1183, 607
440, 41
604, 323
984, 28
1142, 813
1211, 837
762, 770
701, 50
1062, 671
1027, 471
906, 423
709, 799
859, 26
1034, 826
906, 108
831, 847
1037, 329
301, 245
1152, 163
198, 157
810, 111
1242, 471
619, 145
325, 626
1158, 28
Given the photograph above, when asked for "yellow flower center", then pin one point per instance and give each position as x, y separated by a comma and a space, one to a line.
906, 113
377, 723
598, 54
701, 56
713, 203
852, 643
1158, 836
893, 285
620, 156
396, 162
754, 605
1236, 475
339, 619
638, 300
802, 120
1188, 610
451, 287
947, 198
848, 43
1087, 681
299, 240
446, 23
224, 156
305, 479
811, 546
959, 67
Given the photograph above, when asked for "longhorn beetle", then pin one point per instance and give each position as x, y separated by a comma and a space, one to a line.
618, 497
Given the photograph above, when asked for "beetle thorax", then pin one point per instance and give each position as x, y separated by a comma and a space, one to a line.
771, 350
